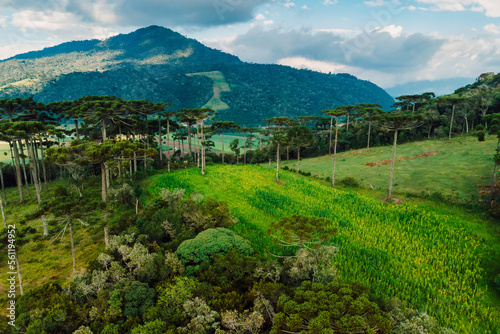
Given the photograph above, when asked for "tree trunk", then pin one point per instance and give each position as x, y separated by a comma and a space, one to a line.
17, 164
136, 205
76, 128
19, 277
494, 180
26, 183
335, 150
466, 124
245, 149
3, 186
369, 133
331, 131
189, 141
135, 162
72, 247
103, 129
198, 143
108, 182
45, 227
33, 170
169, 157
451, 122
3, 213
298, 158
222, 146
278, 162
160, 141
347, 126
34, 150
202, 150
44, 168
106, 237
391, 175
103, 182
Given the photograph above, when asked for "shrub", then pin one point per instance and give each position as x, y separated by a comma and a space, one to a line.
480, 135
209, 243
350, 182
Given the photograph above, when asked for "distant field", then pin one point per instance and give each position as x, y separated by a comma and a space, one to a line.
439, 261
458, 168
220, 85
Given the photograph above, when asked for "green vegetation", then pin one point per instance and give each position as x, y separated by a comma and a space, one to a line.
415, 253
458, 168
155, 63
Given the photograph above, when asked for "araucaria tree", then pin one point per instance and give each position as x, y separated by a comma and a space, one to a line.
300, 136
368, 111
397, 121
300, 231
278, 125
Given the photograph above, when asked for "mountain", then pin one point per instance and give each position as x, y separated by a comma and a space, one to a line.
439, 87
161, 65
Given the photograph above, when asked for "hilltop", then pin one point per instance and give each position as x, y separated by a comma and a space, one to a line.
154, 63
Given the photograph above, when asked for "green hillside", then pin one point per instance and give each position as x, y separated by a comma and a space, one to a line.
155, 64
456, 168
439, 263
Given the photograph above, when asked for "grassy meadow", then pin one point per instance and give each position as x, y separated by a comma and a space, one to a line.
436, 260
458, 168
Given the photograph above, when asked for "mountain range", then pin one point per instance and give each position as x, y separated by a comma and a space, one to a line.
160, 65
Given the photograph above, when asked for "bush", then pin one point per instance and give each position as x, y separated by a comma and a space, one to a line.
480, 135
209, 243
350, 182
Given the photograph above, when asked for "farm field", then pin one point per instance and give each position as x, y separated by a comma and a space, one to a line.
457, 168
436, 261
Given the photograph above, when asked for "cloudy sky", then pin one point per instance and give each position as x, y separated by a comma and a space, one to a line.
388, 42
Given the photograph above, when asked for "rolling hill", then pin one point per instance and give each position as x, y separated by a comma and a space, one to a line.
155, 63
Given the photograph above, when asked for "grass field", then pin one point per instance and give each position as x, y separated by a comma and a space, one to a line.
458, 168
220, 85
438, 262
39, 261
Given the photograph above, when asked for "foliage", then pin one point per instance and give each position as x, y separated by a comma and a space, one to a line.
301, 231
408, 321
313, 265
416, 251
208, 243
202, 318
330, 308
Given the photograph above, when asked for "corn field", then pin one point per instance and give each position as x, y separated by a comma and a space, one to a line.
436, 263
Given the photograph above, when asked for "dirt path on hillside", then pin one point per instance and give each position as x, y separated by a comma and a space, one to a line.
386, 162
345, 154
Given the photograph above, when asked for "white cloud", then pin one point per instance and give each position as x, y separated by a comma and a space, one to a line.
268, 22
380, 78
393, 30
260, 17
329, 2
305, 7
375, 3
460, 57
45, 21
492, 28
490, 8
